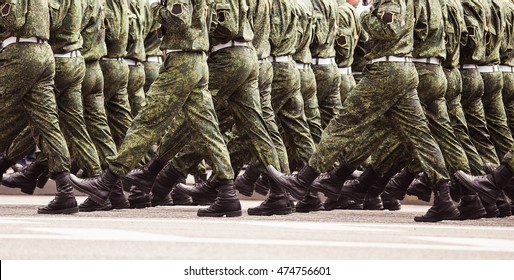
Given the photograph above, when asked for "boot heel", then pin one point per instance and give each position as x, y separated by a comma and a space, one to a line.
234, 214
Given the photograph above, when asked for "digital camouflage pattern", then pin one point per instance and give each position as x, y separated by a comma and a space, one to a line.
182, 90
27, 71
286, 96
348, 33
308, 85
507, 58
94, 48
152, 47
476, 18
495, 115
136, 51
116, 72
327, 76
383, 100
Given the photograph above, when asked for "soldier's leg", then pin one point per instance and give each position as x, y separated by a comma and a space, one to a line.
508, 98
69, 73
95, 116
458, 120
495, 115
287, 103
151, 73
346, 86
431, 91
329, 98
472, 91
116, 99
310, 102
136, 93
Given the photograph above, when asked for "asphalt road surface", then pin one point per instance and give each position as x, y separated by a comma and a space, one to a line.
172, 233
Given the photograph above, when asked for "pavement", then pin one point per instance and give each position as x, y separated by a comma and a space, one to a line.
176, 233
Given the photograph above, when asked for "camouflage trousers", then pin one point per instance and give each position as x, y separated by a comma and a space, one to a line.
178, 102
431, 91
136, 93
238, 143
346, 86
384, 100
495, 115
508, 98
233, 83
117, 105
310, 102
287, 102
458, 119
26, 98
471, 100
328, 93
151, 73
94, 112
69, 74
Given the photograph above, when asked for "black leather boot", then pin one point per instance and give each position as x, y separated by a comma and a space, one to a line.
27, 179
298, 184
443, 208
205, 192
144, 178
226, 203
356, 189
262, 185
164, 182
117, 197
310, 203
245, 183
503, 206
331, 183
488, 186
64, 201
342, 203
90, 206
98, 188
180, 198
138, 199
43, 179
390, 202
398, 185
420, 188
373, 201
471, 208
275, 204
5, 163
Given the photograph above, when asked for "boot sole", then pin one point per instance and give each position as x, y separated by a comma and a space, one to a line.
475, 215
221, 214
484, 196
307, 210
283, 211
72, 210
26, 190
451, 216
140, 205
94, 209
91, 195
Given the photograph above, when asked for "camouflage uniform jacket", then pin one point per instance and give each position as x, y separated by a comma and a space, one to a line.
476, 17
260, 14
428, 31
390, 26
116, 27
305, 15
507, 47
456, 32
137, 30
283, 35
495, 33
231, 21
348, 32
93, 32
24, 18
325, 12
